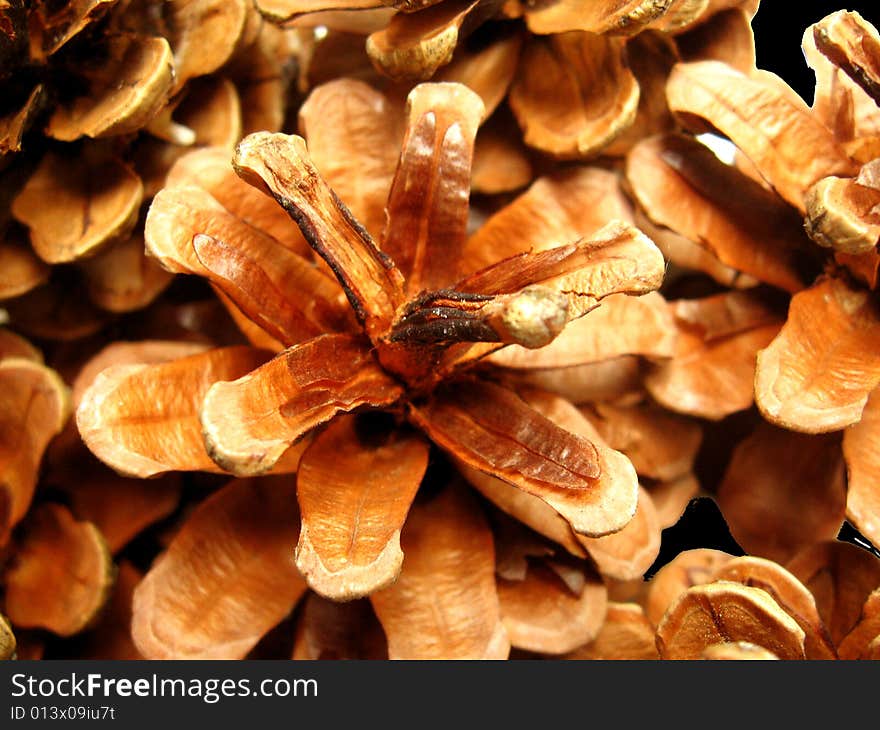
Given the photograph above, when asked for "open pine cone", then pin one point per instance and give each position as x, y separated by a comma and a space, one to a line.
801, 173
100, 97
400, 337
437, 371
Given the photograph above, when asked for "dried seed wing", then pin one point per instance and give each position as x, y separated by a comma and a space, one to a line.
687, 569
840, 576
203, 35
501, 163
331, 630
487, 70
252, 332
249, 423
68, 449
843, 215
783, 491
712, 372
857, 643
605, 16
628, 553
737, 651
279, 164
574, 93
121, 508
724, 315
681, 185
853, 44
710, 380
617, 258
123, 278
7, 639
544, 448
791, 148
617, 478
725, 611
620, 325
469, 421
20, 269
34, 406
227, 577
626, 634
428, 203
355, 485
72, 557
276, 288
542, 614
414, 45
727, 37
279, 11
130, 353
180, 212
660, 445
211, 168
111, 636
13, 345
687, 254
817, 373
610, 379
279, 291
354, 134
789, 593
526, 508
125, 91
94, 201
862, 463
444, 604
143, 420
555, 210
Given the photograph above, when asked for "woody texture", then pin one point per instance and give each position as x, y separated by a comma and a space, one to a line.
437, 329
